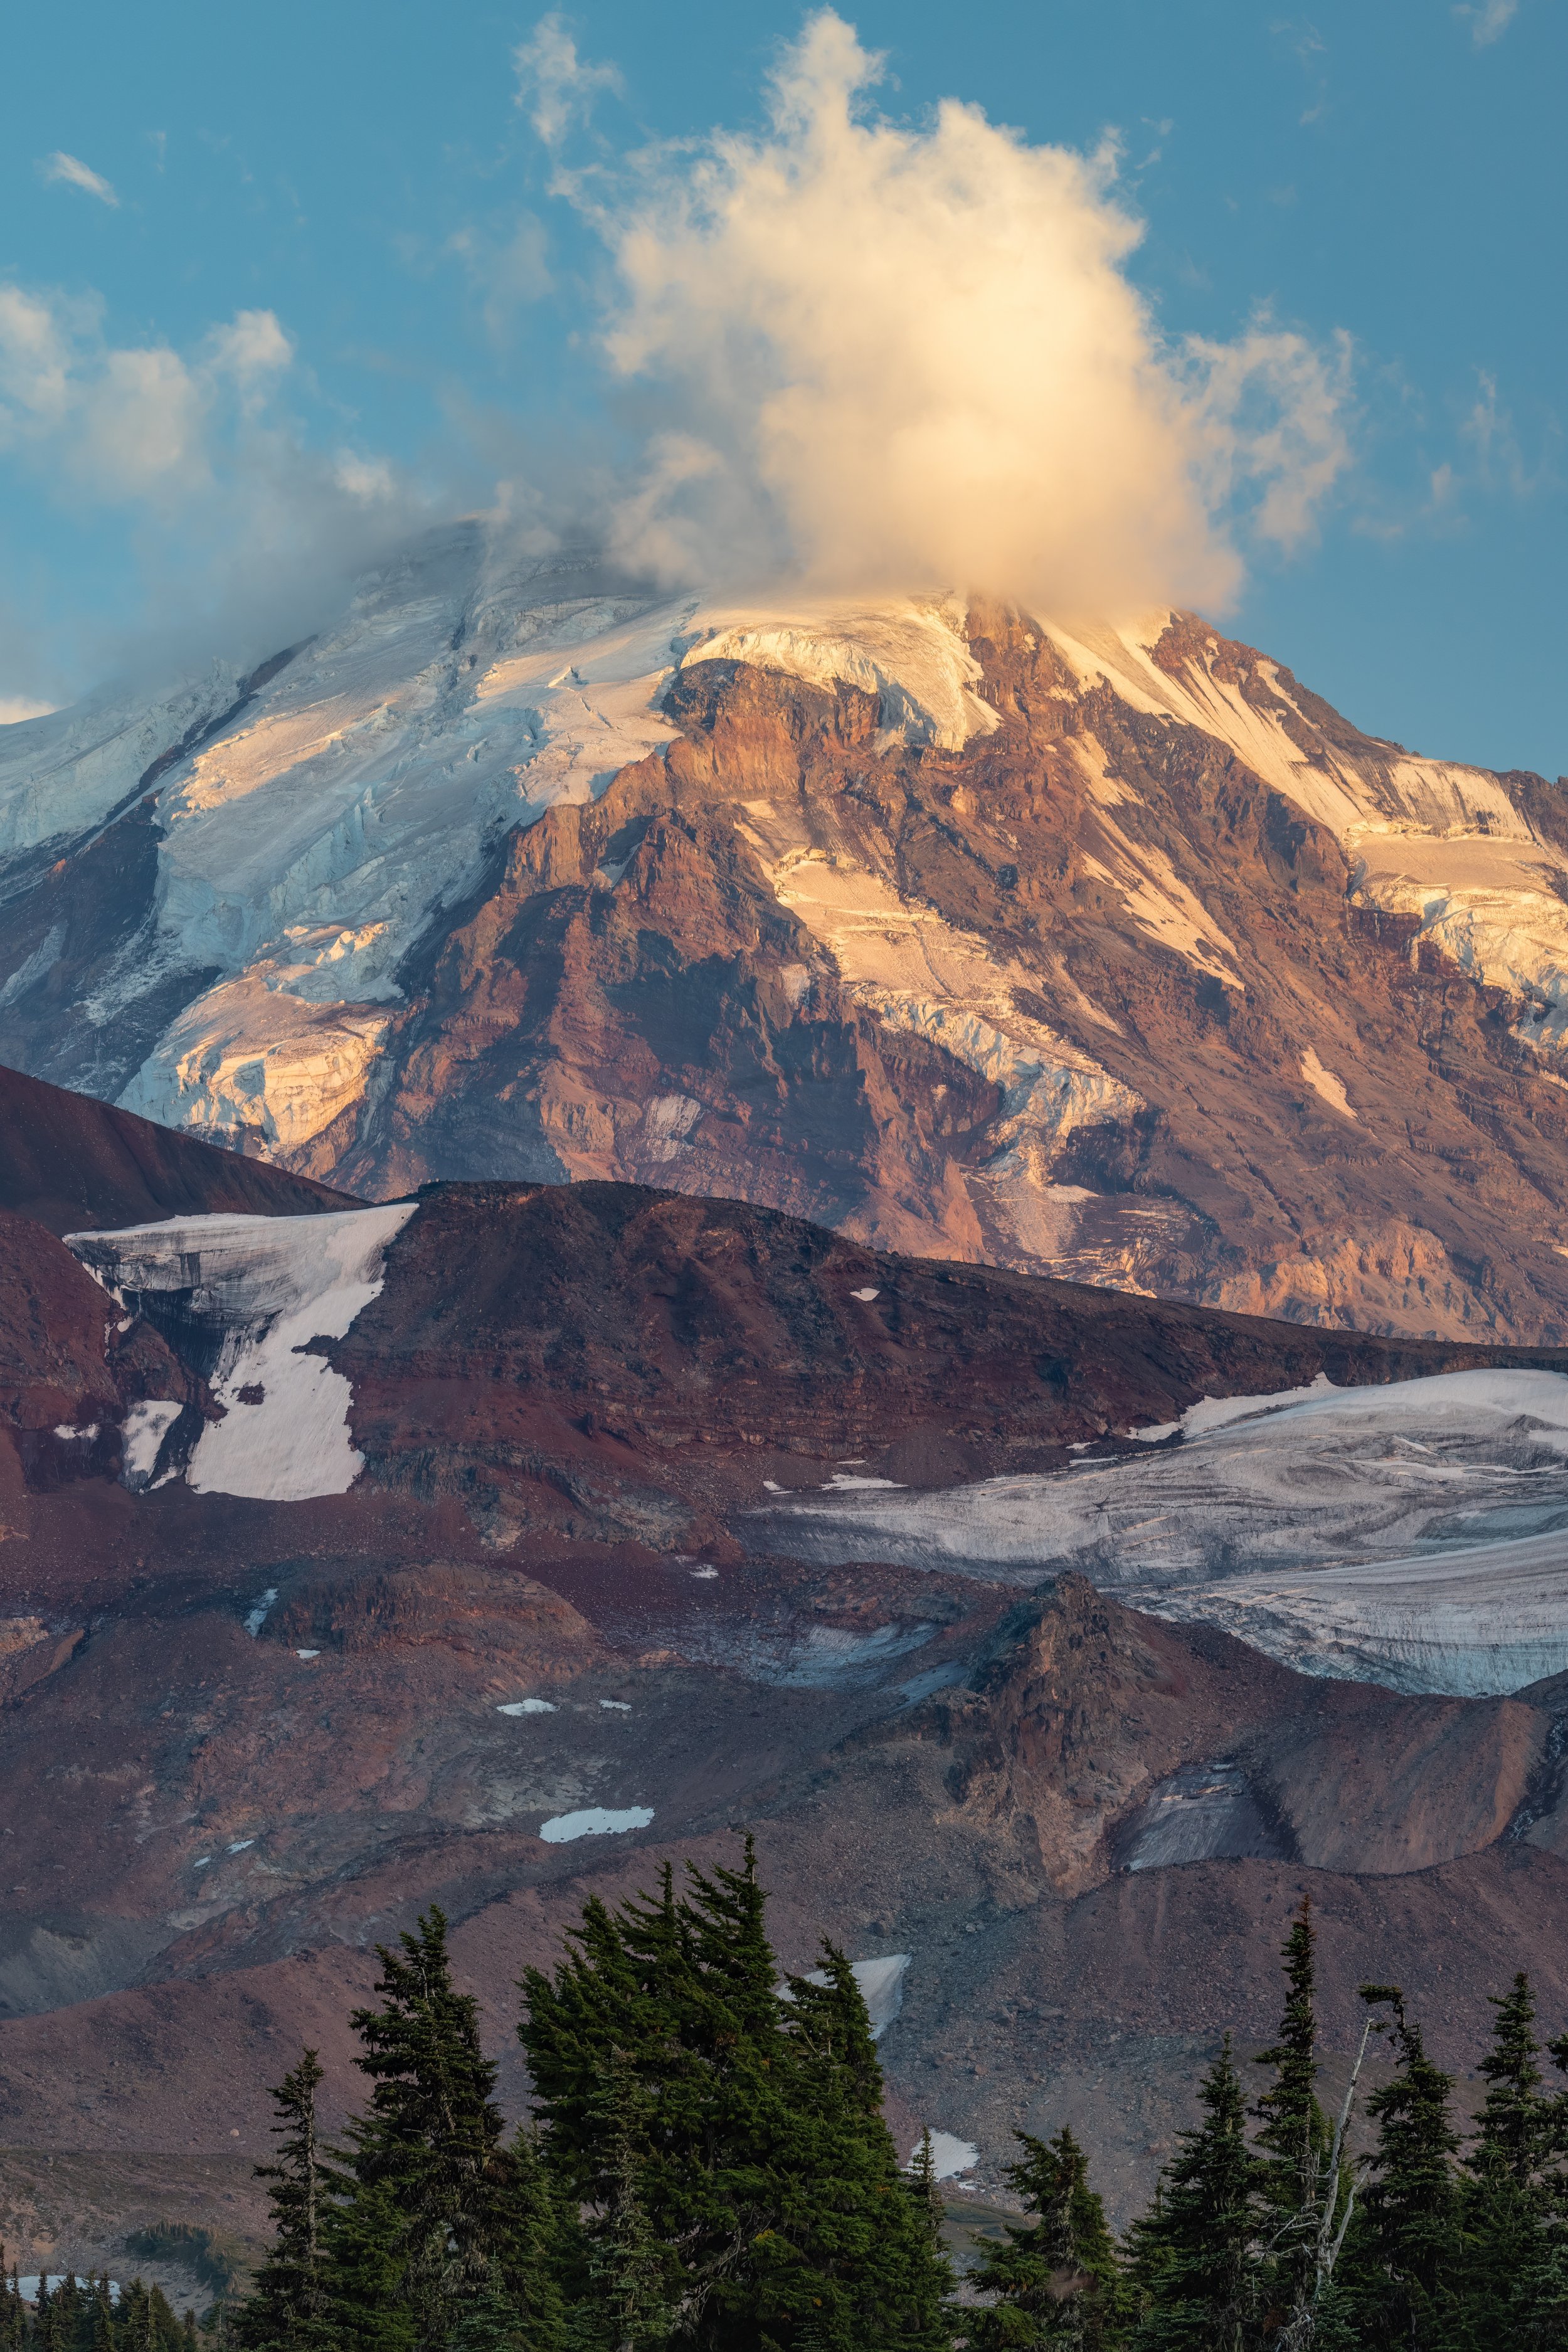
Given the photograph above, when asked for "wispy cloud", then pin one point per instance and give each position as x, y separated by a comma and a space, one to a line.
14, 707
72, 173
1488, 21
553, 81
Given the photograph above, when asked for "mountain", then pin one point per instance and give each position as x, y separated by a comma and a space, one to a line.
1113, 953
69, 1162
495, 1545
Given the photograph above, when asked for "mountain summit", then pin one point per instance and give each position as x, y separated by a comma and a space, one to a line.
1111, 952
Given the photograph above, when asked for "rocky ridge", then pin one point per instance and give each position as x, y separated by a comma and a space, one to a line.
1114, 953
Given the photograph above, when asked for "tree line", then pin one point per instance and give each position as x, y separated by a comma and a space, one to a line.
707, 2166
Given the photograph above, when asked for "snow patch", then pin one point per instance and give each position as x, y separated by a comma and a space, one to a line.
141, 1434
950, 2155
1324, 1083
621, 1705
1412, 1534
866, 1295
257, 1617
263, 1289
881, 1984
594, 1821
528, 1707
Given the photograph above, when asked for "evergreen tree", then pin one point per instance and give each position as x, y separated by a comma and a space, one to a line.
926, 2189
429, 2202
623, 2308
1294, 2133
1515, 2257
751, 2124
1058, 2280
287, 2310
1196, 2267
876, 2275
1406, 2259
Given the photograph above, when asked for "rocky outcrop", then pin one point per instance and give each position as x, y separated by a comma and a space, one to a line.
1114, 953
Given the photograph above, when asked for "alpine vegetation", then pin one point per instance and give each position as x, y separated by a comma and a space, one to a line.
707, 2165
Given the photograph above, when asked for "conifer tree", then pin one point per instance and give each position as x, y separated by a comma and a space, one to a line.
1196, 2269
624, 2307
874, 2273
429, 2198
287, 2310
1407, 2260
1057, 2283
1514, 2256
1295, 2131
926, 2189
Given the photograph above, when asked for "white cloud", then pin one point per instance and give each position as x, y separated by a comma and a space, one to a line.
912, 357
1488, 21
14, 707
124, 423
74, 174
553, 81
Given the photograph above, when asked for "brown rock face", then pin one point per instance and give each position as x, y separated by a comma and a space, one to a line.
608, 1362
1089, 996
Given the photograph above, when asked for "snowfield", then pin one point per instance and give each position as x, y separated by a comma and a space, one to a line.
1415, 1534
316, 818
258, 1291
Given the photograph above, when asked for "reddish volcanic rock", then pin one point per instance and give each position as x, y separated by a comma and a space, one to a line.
615, 1363
72, 1164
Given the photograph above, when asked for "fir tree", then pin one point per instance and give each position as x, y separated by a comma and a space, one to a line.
926, 2189
288, 2306
1058, 2280
623, 2309
1406, 2257
875, 2273
1294, 2133
1196, 2268
428, 2200
1514, 2256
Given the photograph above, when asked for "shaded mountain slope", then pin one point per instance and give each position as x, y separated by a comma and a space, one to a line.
71, 1163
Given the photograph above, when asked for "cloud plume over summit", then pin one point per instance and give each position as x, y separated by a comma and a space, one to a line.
893, 356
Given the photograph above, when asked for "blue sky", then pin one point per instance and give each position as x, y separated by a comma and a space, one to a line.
323, 257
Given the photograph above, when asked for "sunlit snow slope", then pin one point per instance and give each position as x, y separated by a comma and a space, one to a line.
1107, 950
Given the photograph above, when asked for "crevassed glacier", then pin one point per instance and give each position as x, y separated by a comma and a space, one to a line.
1415, 1534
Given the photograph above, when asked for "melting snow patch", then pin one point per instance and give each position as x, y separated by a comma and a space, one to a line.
262, 1288
144, 1428
239, 1845
867, 1295
84, 1436
594, 1821
257, 1616
621, 1705
201, 1862
702, 1574
307, 1653
881, 1984
950, 2155
528, 1707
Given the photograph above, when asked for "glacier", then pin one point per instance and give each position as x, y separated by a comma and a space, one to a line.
319, 814
252, 1293
1413, 1535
